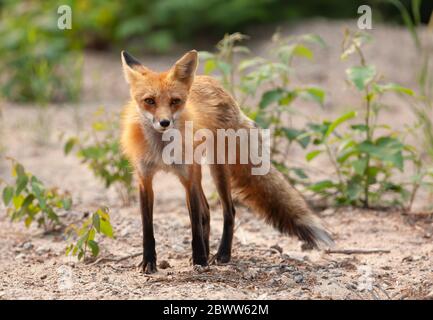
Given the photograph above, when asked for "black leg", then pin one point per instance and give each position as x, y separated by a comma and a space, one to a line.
205, 222
222, 184
146, 206
199, 256
198, 212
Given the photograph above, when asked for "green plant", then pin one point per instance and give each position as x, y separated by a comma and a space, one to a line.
100, 150
423, 106
39, 61
85, 235
245, 78
366, 157
28, 199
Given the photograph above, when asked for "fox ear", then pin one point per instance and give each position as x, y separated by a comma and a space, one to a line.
132, 68
184, 69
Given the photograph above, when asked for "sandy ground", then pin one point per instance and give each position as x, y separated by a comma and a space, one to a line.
265, 265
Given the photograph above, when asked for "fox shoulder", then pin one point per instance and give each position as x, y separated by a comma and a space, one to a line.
211, 104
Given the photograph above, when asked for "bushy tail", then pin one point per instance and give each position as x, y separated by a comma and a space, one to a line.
279, 204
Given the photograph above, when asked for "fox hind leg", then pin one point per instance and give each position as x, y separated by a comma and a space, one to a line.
205, 222
222, 183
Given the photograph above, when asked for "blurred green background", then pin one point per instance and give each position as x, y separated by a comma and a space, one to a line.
39, 62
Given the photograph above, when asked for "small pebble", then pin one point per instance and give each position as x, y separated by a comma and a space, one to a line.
27, 245
299, 278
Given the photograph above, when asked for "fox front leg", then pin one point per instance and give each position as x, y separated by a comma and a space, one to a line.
146, 205
198, 210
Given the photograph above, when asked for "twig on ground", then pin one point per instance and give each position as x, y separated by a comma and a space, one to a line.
356, 251
377, 285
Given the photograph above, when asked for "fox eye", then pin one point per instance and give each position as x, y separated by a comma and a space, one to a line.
174, 101
149, 101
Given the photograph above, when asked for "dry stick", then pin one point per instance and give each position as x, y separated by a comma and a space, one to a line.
356, 251
377, 285
105, 259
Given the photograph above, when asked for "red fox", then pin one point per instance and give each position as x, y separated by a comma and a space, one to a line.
161, 101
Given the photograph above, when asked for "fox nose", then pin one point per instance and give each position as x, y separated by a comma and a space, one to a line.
164, 123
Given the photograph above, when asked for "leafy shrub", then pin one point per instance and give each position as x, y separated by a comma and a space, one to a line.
98, 223
366, 156
39, 62
245, 77
100, 149
28, 199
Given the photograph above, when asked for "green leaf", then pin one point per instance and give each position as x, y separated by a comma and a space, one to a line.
28, 221
104, 223
22, 181
209, 66
270, 97
69, 145
345, 117
319, 128
68, 249
321, 186
93, 245
360, 165
28, 200
303, 51
106, 228
354, 188
361, 76
96, 222
100, 126
313, 154
8, 193
18, 201
393, 87
386, 149
91, 235
285, 53
300, 136
314, 94
67, 203
19, 170
300, 173
288, 98
80, 255
51, 214
360, 127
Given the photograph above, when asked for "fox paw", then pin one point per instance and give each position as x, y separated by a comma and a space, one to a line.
148, 267
200, 269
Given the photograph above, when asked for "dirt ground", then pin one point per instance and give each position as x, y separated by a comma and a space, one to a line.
265, 264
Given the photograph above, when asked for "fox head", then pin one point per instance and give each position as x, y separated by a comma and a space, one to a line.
160, 97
